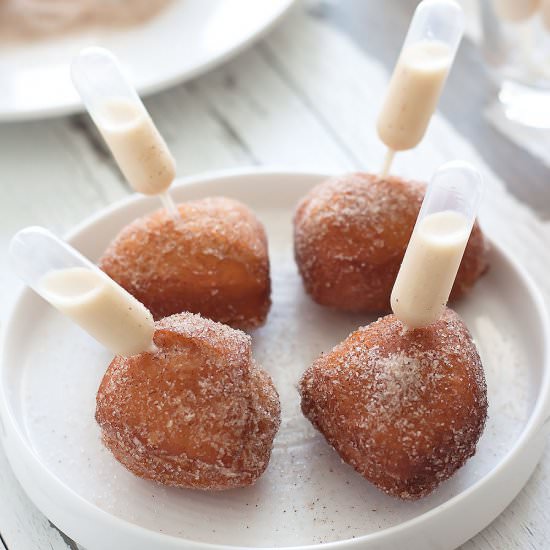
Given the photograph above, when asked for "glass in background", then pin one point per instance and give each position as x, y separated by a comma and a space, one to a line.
516, 46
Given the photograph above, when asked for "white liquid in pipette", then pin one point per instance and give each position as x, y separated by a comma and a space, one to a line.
429, 268
515, 10
102, 308
413, 94
138, 148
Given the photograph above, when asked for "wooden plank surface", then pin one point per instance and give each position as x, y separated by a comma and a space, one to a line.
22, 526
304, 98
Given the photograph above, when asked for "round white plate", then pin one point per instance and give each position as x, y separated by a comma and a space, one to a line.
51, 370
182, 41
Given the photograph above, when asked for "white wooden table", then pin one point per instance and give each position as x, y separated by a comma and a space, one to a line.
305, 97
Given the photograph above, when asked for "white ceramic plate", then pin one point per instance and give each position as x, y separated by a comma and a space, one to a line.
51, 370
185, 39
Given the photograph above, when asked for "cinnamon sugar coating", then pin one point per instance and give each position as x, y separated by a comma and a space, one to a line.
212, 261
350, 236
405, 409
196, 413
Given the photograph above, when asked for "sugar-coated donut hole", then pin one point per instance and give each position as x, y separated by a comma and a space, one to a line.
196, 413
350, 236
212, 261
405, 409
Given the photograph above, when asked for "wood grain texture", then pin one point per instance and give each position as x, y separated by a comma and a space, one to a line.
271, 119
305, 98
467, 94
305, 43
22, 526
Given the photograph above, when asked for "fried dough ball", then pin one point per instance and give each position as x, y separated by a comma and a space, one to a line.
405, 409
197, 413
212, 261
350, 236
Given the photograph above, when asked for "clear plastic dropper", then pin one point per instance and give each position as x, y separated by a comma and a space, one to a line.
80, 290
126, 126
424, 63
437, 244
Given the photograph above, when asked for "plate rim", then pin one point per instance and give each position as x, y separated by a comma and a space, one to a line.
178, 76
538, 419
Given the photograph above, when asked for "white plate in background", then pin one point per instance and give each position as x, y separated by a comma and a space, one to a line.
185, 39
50, 372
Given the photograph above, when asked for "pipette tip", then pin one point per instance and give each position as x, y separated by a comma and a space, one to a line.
169, 205
388, 161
